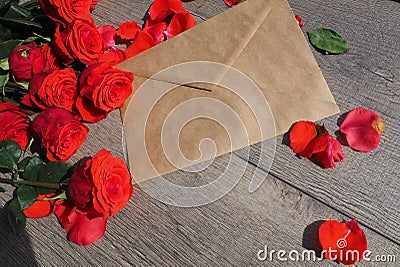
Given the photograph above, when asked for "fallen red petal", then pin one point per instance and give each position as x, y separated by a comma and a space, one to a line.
301, 134
142, 42
232, 2
107, 32
332, 153
299, 20
363, 129
156, 31
180, 22
160, 9
343, 242
127, 31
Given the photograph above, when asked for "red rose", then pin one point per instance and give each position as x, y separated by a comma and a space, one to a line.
21, 61
27, 60
15, 124
41, 208
102, 89
60, 133
47, 61
65, 11
57, 89
103, 183
83, 226
80, 40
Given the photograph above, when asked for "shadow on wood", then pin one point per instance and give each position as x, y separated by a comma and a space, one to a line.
14, 251
311, 237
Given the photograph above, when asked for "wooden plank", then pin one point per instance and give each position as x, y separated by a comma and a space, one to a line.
230, 231
233, 229
365, 186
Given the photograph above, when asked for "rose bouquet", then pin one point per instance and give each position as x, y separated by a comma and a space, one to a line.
56, 76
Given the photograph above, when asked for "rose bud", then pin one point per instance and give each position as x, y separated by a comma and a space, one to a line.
80, 40
15, 124
66, 11
60, 133
57, 89
21, 61
102, 89
83, 227
103, 183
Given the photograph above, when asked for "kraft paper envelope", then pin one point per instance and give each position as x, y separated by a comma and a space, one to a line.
259, 38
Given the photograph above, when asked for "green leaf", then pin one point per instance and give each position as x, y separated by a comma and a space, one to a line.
16, 11
3, 81
7, 47
328, 41
23, 163
2, 189
20, 24
10, 152
4, 64
16, 217
31, 169
53, 172
26, 196
4, 6
5, 34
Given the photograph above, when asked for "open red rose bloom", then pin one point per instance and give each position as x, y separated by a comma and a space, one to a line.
309, 139
343, 242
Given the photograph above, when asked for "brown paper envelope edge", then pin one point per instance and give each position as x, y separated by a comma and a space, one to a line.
141, 64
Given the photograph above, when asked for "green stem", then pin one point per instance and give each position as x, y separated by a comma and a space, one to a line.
39, 184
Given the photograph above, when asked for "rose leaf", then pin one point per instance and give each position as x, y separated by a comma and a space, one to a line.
2, 189
53, 172
7, 47
16, 217
10, 152
328, 41
30, 167
26, 196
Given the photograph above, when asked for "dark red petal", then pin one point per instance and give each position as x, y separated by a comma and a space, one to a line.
108, 33
301, 134
180, 22
332, 153
142, 42
363, 129
232, 2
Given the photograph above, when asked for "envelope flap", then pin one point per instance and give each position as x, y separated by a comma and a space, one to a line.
220, 39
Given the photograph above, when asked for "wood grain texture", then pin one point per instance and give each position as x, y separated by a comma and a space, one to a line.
296, 193
365, 185
230, 231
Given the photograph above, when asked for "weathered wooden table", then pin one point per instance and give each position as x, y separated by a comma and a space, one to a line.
284, 213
